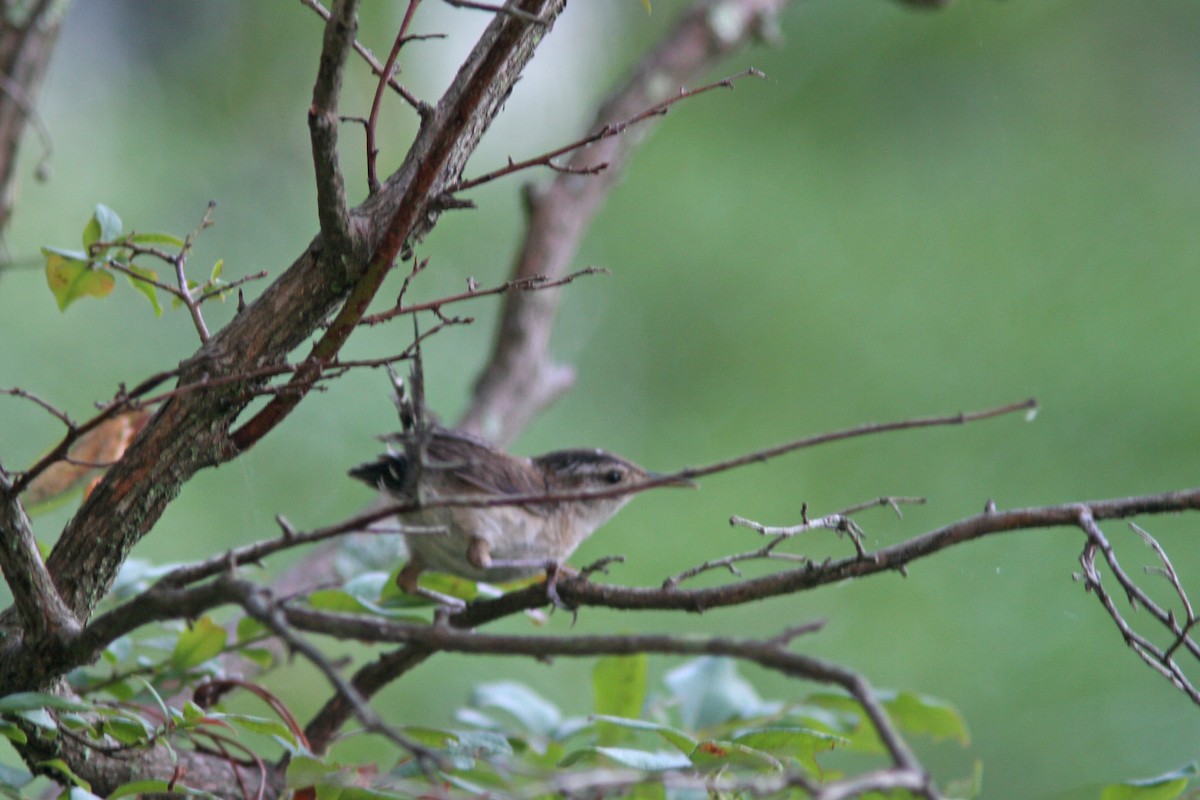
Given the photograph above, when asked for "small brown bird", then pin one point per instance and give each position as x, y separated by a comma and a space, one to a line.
497, 543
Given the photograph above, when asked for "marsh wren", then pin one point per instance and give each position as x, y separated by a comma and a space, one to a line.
497, 543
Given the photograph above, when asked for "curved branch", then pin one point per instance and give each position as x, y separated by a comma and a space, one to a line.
519, 378
577, 590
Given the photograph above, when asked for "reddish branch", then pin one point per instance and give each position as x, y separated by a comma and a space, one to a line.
389, 67
421, 107
433, 164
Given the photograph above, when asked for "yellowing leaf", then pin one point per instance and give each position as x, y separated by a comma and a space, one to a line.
70, 279
102, 445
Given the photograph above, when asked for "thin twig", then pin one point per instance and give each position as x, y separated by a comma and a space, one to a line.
257, 603
372, 120
497, 9
45, 405
220, 290
535, 283
606, 131
422, 108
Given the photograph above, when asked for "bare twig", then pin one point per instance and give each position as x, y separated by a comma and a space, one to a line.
389, 67
193, 306
834, 522
605, 131
228, 287
1162, 660
497, 9
532, 283
45, 405
440, 150
868, 429
422, 108
840, 523
519, 378
1167, 570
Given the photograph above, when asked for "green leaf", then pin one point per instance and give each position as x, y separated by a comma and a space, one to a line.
1162, 787
162, 707
263, 725
658, 761
12, 732
104, 225
619, 685
430, 737
307, 771
107, 222
249, 628
392, 595
91, 234
79, 793
335, 600
130, 729
799, 744
60, 766
156, 238
70, 279
712, 755
485, 743
204, 640
534, 712
76, 722
139, 787
909, 711
682, 741
917, 713
121, 690
217, 269
145, 287
40, 718
27, 701
710, 691
264, 658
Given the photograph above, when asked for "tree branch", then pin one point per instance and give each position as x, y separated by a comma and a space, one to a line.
519, 378
189, 432
41, 609
340, 28
442, 145
27, 37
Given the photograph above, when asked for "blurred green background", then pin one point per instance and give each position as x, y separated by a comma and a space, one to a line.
916, 213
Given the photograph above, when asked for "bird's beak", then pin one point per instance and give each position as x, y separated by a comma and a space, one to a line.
670, 480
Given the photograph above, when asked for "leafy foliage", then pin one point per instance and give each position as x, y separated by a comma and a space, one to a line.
75, 274
704, 723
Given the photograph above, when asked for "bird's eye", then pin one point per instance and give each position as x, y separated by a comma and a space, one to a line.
613, 476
